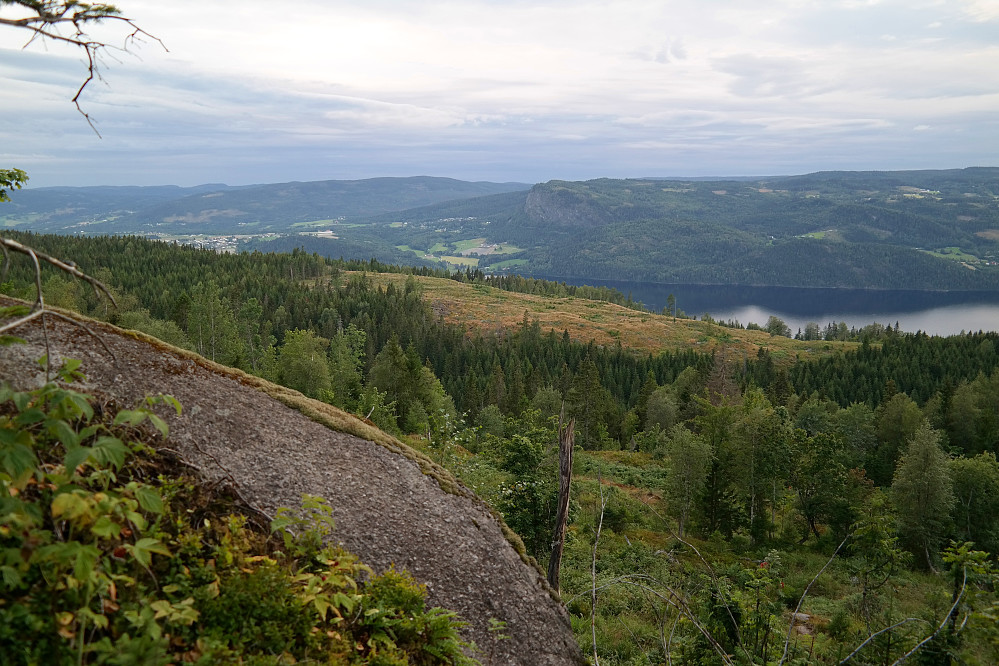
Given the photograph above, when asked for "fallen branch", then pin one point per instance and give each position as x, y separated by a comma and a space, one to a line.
875, 635
593, 572
920, 644
790, 628
38, 309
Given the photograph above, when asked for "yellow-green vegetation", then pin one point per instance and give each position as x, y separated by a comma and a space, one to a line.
508, 263
463, 245
714, 484
506, 248
109, 555
10, 222
460, 261
954, 253
315, 223
483, 308
463, 252
816, 234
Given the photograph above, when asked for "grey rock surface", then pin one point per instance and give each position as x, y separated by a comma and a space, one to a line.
387, 510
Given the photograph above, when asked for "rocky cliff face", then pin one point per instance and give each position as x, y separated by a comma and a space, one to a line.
392, 506
551, 203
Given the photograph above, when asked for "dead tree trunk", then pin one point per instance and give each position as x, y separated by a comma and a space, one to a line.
565, 442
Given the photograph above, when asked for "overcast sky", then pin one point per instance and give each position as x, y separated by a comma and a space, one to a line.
503, 90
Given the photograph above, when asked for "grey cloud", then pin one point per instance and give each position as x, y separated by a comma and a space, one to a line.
758, 76
670, 50
832, 24
171, 124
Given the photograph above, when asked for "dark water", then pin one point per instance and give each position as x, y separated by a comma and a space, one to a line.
934, 312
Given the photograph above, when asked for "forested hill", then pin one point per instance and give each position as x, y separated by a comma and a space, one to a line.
919, 229
221, 209
882, 230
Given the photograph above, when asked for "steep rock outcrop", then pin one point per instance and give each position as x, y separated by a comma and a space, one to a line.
391, 505
562, 205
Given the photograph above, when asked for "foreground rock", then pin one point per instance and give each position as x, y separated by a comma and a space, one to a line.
391, 505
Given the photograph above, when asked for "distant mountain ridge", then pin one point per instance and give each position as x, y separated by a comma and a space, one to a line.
932, 229
207, 209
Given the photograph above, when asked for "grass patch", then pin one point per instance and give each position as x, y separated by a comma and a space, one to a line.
954, 253
460, 261
818, 235
461, 246
506, 248
509, 263
486, 309
315, 223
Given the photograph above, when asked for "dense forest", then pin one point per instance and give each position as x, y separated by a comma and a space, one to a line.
709, 489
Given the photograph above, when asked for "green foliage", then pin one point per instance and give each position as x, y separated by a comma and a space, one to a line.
101, 565
767, 485
346, 366
776, 326
166, 330
302, 363
923, 491
826, 492
211, 325
79, 534
257, 611
976, 491
414, 389
528, 500
11, 179
688, 460
917, 365
662, 409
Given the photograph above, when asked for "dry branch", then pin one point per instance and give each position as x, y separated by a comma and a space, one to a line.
38, 309
48, 18
790, 628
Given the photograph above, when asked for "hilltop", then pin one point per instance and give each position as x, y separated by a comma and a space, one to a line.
485, 310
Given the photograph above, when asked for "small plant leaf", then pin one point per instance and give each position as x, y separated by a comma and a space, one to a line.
143, 549
149, 499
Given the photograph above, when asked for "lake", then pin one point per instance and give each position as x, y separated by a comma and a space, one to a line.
934, 312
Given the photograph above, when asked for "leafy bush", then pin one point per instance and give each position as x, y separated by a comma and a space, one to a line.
107, 558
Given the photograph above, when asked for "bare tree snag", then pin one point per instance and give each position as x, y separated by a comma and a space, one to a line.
566, 439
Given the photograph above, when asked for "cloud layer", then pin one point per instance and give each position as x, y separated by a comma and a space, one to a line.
478, 89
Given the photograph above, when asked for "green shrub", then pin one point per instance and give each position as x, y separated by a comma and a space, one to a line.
99, 564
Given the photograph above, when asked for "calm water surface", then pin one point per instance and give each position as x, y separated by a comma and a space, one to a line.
934, 312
